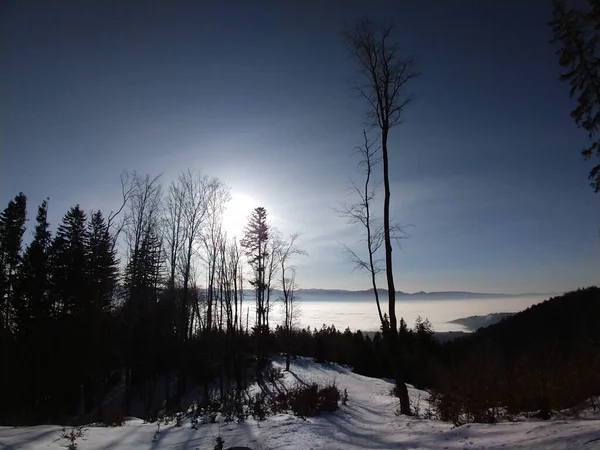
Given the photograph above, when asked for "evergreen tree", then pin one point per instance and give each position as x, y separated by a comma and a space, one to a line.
12, 228
102, 278
578, 31
102, 262
34, 316
69, 264
255, 244
70, 298
34, 306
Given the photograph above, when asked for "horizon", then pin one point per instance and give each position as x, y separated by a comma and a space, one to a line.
485, 169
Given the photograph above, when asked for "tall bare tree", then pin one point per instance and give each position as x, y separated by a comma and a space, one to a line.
173, 231
200, 197
287, 249
384, 74
213, 239
144, 261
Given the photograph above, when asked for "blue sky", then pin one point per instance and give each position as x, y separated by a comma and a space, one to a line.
486, 166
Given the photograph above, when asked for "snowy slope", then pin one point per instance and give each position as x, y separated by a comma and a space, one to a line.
367, 422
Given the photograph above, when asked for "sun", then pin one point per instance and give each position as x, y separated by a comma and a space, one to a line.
236, 213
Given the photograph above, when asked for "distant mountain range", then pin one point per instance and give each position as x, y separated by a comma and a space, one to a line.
341, 294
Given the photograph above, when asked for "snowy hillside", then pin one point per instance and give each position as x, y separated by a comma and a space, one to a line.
368, 421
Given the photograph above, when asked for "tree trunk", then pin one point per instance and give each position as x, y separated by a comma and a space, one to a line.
393, 332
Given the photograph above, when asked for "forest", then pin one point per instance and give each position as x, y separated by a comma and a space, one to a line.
97, 329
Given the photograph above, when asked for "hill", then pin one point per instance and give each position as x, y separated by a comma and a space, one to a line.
367, 421
476, 322
544, 359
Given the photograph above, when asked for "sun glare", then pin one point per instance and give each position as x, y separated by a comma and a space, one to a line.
236, 213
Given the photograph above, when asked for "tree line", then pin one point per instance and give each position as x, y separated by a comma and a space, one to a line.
537, 362
137, 302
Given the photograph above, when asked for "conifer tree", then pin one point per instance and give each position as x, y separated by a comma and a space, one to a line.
12, 228
34, 307
69, 264
578, 32
33, 315
255, 244
103, 264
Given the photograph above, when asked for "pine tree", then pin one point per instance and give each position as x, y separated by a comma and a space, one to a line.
34, 306
12, 228
69, 264
34, 315
577, 32
102, 275
102, 263
255, 241
255, 244
70, 299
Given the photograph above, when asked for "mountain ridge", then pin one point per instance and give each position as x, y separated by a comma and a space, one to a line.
454, 294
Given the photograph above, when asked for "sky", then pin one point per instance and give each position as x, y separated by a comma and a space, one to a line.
485, 170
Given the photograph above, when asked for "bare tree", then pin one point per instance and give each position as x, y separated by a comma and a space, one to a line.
172, 223
115, 226
288, 286
213, 239
200, 196
360, 213
144, 259
193, 188
384, 74
173, 230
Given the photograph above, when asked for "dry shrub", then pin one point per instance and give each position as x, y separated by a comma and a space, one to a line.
71, 437
308, 400
112, 417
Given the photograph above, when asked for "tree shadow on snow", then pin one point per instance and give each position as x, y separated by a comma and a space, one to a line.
28, 438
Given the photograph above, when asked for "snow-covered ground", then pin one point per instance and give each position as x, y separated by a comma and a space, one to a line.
367, 422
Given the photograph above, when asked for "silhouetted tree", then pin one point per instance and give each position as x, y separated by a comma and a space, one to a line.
102, 272
361, 213
255, 244
72, 305
143, 278
384, 73
70, 281
34, 311
578, 31
287, 249
12, 228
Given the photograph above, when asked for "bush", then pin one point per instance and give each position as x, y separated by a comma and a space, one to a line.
447, 407
308, 400
304, 399
72, 436
329, 397
595, 402
257, 407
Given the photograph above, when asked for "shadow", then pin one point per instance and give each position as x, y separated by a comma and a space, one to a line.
300, 380
28, 438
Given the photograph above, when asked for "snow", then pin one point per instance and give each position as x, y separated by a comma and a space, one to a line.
367, 422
